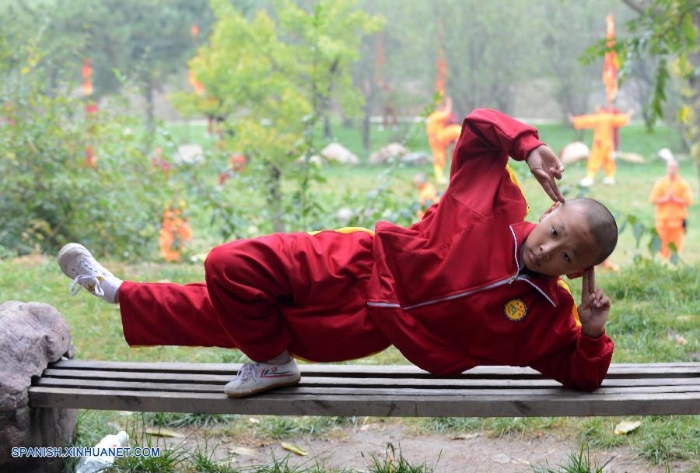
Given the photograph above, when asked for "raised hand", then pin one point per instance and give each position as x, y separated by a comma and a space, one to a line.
546, 168
595, 306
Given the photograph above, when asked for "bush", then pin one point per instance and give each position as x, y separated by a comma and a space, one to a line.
49, 195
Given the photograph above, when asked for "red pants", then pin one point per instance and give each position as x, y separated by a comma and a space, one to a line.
293, 291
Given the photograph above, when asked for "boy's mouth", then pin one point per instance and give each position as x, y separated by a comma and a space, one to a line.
534, 258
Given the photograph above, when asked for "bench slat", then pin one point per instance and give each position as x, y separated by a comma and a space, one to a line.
556, 403
367, 390
215, 383
689, 369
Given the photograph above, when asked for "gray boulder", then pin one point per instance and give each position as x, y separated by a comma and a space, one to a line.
32, 335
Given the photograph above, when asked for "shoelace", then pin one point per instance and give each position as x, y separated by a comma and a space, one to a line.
79, 283
247, 371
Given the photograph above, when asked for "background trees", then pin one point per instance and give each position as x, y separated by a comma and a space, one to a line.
669, 30
287, 77
275, 78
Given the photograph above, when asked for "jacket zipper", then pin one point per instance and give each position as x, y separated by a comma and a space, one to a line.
493, 285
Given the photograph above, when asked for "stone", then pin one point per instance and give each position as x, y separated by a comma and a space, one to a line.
574, 151
385, 153
665, 154
189, 154
340, 154
417, 158
630, 157
32, 335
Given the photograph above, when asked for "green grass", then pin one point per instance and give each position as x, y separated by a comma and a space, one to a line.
579, 462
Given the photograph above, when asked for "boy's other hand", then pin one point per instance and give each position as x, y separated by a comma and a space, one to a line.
546, 168
595, 306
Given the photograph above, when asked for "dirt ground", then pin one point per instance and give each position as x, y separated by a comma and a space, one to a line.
357, 448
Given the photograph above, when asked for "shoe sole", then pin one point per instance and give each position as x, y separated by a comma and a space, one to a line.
263, 389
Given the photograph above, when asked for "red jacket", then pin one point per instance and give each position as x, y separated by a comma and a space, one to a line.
448, 291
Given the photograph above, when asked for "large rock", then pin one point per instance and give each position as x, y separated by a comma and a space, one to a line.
189, 154
32, 335
340, 154
390, 151
574, 151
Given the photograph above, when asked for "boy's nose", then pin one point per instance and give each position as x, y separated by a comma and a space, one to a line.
545, 251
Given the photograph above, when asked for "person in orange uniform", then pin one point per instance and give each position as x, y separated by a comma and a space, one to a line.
671, 195
173, 234
427, 193
603, 123
440, 135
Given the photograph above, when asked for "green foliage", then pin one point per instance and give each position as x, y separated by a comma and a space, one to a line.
578, 462
280, 75
168, 419
49, 195
670, 439
665, 29
395, 462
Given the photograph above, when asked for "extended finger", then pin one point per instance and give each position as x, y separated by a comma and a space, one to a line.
587, 286
556, 172
591, 279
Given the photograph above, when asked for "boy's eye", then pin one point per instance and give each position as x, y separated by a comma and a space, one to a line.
566, 257
554, 231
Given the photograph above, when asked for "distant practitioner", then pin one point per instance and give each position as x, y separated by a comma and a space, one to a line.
441, 133
604, 123
671, 195
427, 193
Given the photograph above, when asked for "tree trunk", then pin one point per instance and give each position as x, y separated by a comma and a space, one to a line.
327, 133
274, 196
148, 94
366, 122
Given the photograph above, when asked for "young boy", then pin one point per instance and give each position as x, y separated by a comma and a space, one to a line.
470, 284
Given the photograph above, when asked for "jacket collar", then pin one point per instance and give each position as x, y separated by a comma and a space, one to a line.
545, 285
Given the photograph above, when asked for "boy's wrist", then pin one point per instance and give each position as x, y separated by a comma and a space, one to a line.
593, 333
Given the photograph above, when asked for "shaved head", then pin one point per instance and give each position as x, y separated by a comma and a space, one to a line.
601, 223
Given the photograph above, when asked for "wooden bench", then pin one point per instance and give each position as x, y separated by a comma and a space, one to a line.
354, 390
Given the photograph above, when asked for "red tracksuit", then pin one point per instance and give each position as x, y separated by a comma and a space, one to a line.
448, 291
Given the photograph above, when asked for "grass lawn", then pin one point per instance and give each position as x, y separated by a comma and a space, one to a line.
655, 315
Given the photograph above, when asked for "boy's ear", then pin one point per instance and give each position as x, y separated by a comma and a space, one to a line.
549, 211
575, 275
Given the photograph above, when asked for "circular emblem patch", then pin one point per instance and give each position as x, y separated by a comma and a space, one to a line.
515, 310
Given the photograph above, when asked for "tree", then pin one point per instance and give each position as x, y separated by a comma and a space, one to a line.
281, 75
49, 197
143, 41
668, 30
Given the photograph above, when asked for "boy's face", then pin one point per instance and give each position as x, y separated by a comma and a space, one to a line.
561, 243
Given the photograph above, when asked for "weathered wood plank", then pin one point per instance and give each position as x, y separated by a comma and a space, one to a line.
339, 370
204, 383
333, 390
367, 390
279, 403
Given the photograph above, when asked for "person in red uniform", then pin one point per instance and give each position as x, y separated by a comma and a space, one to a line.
469, 284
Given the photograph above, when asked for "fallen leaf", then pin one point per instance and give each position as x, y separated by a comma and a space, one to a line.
158, 432
466, 436
626, 426
253, 420
294, 449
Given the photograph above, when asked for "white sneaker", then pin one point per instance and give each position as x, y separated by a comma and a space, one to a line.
609, 180
255, 378
586, 182
77, 263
